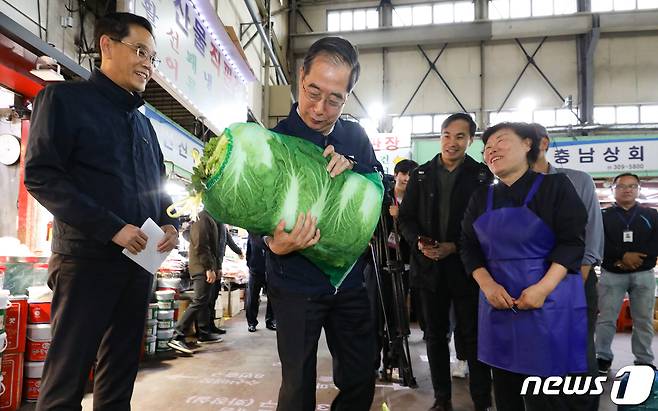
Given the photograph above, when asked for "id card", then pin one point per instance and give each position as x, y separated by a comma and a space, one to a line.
628, 236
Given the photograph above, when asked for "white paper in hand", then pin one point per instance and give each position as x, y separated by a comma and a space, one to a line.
149, 258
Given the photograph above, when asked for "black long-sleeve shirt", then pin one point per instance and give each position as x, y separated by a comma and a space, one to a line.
93, 160
556, 203
645, 236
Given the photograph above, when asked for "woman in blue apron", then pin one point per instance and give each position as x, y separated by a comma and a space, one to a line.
523, 242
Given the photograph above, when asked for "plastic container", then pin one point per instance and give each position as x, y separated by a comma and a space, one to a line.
16, 325
38, 342
165, 305
33, 372
12, 381
39, 294
38, 313
151, 328
150, 345
165, 324
168, 283
152, 311
165, 295
4, 304
3, 342
164, 336
165, 315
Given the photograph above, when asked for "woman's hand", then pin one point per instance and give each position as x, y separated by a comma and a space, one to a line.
497, 296
532, 297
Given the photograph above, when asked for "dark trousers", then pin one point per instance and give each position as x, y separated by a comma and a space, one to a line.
348, 327
254, 287
198, 309
435, 306
212, 299
589, 402
98, 313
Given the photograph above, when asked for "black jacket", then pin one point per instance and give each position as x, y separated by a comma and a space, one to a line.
256, 251
93, 160
293, 272
419, 215
645, 236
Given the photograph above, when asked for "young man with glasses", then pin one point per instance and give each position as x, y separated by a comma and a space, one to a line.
302, 297
631, 247
93, 160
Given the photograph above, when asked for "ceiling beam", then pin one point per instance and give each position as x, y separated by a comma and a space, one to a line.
489, 30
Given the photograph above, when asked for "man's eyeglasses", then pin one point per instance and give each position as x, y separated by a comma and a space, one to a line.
625, 186
141, 52
315, 96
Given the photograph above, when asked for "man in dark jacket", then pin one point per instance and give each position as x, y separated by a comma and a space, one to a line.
303, 299
257, 282
203, 266
93, 160
225, 239
430, 220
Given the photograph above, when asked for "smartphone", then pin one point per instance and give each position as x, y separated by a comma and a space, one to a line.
427, 241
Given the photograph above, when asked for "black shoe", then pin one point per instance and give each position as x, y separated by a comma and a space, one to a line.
209, 338
271, 326
180, 346
604, 366
251, 328
441, 404
217, 330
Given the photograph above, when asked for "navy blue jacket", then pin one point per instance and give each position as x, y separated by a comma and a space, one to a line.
293, 272
93, 160
256, 254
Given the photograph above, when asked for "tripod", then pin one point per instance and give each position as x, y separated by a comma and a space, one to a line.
396, 334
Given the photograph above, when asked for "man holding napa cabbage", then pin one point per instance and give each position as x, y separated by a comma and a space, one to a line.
303, 296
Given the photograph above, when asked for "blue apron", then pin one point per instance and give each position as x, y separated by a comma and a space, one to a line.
543, 342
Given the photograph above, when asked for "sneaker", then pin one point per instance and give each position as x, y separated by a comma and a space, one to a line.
251, 328
271, 326
604, 366
460, 370
180, 346
209, 338
217, 330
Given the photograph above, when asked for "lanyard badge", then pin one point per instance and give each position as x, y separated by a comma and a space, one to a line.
628, 236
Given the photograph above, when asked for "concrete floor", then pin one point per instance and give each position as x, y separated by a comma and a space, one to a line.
243, 374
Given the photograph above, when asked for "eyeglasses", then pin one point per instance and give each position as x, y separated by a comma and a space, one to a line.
315, 96
141, 52
625, 186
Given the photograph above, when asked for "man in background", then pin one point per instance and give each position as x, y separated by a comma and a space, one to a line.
430, 219
257, 283
203, 266
631, 247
